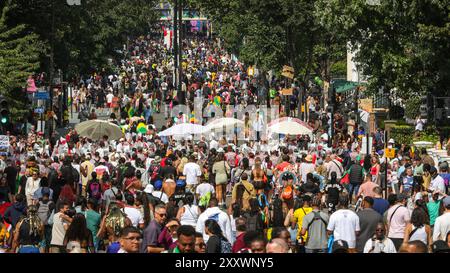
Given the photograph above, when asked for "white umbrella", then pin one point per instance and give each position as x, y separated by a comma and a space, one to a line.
290, 126
95, 129
183, 129
224, 122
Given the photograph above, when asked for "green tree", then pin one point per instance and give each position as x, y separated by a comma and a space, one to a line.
84, 36
19, 57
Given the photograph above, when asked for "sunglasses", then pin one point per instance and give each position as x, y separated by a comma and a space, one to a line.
379, 229
201, 245
162, 214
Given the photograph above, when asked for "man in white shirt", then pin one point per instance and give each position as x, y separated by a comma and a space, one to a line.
306, 167
101, 169
437, 182
61, 223
109, 99
442, 224
159, 194
222, 218
203, 189
344, 224
192, 172
133, 213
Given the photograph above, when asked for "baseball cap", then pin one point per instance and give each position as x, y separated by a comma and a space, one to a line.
340, 246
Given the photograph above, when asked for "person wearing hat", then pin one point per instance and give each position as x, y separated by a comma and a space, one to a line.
306, 167
442, 224
398, 218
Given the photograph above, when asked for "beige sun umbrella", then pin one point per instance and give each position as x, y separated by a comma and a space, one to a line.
289, 126
96, 129
220, 123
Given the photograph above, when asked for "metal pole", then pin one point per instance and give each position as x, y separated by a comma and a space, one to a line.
175, 41
386, 165
180, 52
367, 143
52, 64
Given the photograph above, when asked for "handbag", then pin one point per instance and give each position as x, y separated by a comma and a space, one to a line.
346, 178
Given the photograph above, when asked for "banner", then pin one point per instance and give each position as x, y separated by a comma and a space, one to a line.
288, 72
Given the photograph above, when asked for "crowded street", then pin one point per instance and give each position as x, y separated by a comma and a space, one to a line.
209, 154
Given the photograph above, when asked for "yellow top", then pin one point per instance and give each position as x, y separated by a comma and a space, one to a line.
298, 218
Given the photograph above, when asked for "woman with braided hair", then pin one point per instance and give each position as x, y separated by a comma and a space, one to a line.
28, 233
111, 226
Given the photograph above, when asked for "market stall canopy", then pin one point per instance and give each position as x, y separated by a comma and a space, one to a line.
184, 129
344, 86
96, 129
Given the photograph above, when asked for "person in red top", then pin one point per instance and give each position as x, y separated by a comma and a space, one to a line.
241, 229
283, 165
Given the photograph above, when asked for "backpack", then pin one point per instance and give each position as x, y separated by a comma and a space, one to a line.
333, 192
240, 189
75, 175
277, 213
44, 212
316, 217
95, 190
287, 193
155, 201
204, 200
252, 223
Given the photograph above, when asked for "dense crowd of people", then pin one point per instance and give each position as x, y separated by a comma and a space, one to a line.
144, 193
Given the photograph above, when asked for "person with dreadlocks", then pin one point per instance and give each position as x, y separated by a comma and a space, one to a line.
29, 233
112, 224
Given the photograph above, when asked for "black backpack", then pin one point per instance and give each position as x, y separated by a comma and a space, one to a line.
155, 201
316, 218
252, 223
277, 213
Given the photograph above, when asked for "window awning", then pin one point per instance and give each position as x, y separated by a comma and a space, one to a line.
344, 86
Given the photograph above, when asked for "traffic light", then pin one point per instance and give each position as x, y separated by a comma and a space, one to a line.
4, 111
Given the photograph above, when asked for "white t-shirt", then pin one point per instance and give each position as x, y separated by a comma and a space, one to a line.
134, 215
192, 171
100, 170
438, 184
306, 168
109, 98
190, 215
222, 219
441, 227
385, 246
162, 196
204, 188
58, 230
344, 223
